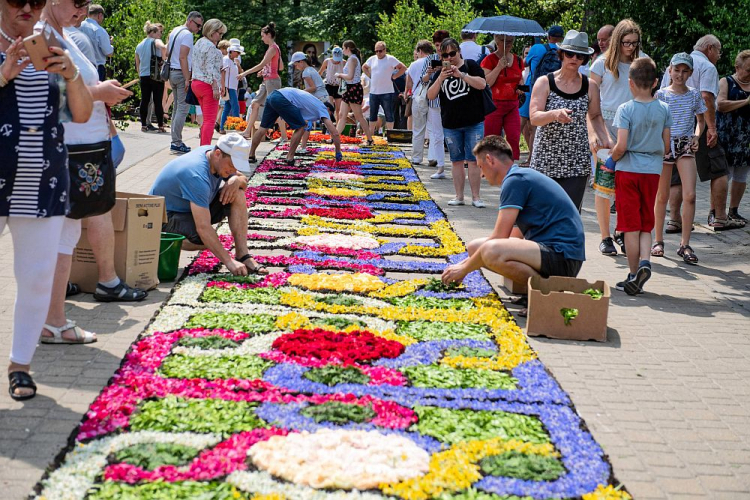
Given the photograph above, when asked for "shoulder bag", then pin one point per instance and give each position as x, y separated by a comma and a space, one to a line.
92, 179
165, 70
157, 64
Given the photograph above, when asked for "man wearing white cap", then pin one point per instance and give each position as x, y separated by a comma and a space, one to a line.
230, 70
296, 107
203, 187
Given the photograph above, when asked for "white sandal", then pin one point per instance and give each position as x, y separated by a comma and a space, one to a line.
82, 336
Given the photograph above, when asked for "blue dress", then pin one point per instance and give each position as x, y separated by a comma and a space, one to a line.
734, 128
34, 179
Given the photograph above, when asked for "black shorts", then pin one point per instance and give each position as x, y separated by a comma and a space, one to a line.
183, 222
333, 91
555, 263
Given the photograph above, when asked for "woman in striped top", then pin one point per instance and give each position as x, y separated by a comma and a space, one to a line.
34, 182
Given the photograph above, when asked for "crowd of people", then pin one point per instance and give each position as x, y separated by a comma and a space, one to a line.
591, 116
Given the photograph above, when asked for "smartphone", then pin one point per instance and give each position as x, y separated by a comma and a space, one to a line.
130, 83
446, 64
523, 88
38, 45
435, 63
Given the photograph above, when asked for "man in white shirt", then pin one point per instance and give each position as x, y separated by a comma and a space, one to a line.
705, 79
471, 49
382, 69
100, 39
179, 45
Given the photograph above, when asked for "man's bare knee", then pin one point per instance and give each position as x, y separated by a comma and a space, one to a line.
474, 245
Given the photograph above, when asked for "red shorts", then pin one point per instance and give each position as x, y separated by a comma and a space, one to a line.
635, 196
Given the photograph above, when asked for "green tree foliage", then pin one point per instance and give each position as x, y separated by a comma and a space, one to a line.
125, 21
410, 23
567, 13
671, 27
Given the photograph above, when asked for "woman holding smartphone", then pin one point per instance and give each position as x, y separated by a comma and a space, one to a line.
561, 105
459, 85
35, 183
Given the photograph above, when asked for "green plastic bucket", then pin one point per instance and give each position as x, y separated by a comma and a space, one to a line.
169, 256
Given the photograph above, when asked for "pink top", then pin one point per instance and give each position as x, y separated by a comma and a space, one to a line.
271, 70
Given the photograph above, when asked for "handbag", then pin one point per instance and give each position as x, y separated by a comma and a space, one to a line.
92, 179
489, 106
190, 97
165, 69
156, 64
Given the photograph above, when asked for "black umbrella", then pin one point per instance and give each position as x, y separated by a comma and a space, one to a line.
505, 25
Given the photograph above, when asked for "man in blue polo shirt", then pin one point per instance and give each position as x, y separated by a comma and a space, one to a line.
297, 108
202, 188
551, 239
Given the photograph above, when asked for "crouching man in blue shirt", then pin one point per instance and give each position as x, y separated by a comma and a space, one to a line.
202, 188
553, 239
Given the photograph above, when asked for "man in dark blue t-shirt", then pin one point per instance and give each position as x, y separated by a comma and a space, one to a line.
552, 231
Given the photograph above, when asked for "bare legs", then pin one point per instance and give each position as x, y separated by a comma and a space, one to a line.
513, 258
357, 110
459, 179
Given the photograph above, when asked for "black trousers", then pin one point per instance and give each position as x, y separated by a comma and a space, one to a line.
149, 89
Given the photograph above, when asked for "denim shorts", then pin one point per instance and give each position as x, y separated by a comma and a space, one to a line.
461, 141
279, 106
384, 100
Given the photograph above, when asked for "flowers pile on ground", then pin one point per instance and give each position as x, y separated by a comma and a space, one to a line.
235, 123
349, 372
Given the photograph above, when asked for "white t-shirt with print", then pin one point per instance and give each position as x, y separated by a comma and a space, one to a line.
381, 74
230, 73
613, 91
184, 39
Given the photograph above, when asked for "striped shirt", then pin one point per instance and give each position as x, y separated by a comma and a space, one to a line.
433, 103
683, 108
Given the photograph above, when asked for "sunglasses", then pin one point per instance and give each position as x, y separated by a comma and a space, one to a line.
630, 44
34, 4
378, 51
198, 25
452, 53
573, 55
80, 5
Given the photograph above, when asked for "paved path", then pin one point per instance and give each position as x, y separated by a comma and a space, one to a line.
668, 396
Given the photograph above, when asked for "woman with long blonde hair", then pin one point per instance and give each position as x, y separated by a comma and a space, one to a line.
610, 72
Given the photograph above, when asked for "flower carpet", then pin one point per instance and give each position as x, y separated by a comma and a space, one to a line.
348, 372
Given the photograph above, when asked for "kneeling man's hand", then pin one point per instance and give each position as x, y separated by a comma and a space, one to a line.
229, 192
237, 268
454, 273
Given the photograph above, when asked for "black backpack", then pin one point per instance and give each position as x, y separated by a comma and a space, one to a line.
482, 54
550, 62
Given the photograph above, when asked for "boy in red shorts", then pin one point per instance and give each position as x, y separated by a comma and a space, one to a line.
642, 141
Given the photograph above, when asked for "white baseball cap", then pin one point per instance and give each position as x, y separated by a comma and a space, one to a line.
238, 148
297, 57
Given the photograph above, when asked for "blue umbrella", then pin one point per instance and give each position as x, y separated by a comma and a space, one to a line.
505, 25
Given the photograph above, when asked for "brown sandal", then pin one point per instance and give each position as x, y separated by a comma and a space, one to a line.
687, 254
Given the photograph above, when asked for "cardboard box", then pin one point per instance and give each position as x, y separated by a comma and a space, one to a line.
515, 288
548, 296
137, 219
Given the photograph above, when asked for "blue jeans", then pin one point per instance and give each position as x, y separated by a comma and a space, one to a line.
461, 141
279, 106
231, 107
384, 100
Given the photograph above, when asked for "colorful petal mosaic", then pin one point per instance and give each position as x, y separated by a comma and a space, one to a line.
349, 372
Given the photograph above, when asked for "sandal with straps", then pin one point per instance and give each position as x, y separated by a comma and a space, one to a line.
120, 293
657, 249
81, 336
687, 254
727, 224
257, 269
20, 380
673, 227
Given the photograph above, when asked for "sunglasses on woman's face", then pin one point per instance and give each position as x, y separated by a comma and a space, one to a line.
34, 4
452, 53
572, 55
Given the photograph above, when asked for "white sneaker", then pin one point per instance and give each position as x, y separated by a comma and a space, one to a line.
438, 175
479, 203
301, 151
455, 202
